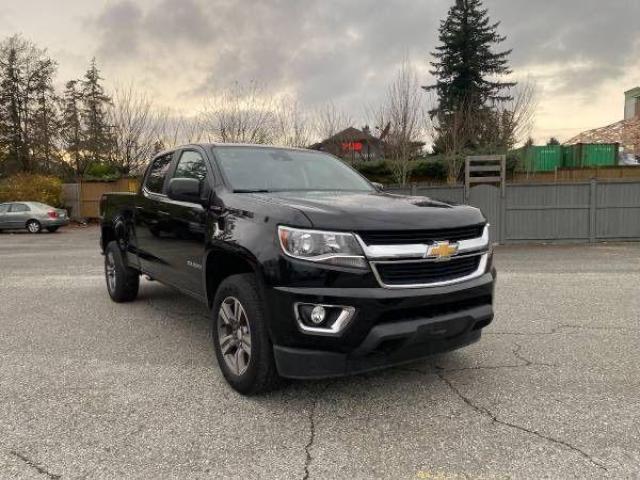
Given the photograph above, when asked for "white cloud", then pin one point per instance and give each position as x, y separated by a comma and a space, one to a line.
581, 52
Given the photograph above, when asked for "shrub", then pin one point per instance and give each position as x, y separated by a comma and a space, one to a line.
515, 162
101, 171
435, 169
373, 169
32, 188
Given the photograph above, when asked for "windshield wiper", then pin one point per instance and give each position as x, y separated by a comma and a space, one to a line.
249, 190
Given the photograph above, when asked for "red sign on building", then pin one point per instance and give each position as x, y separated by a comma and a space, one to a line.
352, 146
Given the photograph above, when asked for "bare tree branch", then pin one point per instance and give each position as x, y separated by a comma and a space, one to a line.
240, 114
134, 126
329, 120
292, 126
401, 121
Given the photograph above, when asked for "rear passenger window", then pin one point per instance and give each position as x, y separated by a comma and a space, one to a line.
157, 174
20, 207
4, 208
191, 165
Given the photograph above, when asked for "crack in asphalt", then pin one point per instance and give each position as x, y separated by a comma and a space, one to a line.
527, 362
557, 330
516, 353
554, 331
312, 433
309, 444
607, 329
494, 419
39, 468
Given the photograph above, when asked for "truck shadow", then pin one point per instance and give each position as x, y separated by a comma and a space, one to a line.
185, 317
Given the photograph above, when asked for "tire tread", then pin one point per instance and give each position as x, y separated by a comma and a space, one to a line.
262, 376
127, 278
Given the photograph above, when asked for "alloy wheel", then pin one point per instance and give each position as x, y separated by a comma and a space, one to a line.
33, 227
234, 335
110, 267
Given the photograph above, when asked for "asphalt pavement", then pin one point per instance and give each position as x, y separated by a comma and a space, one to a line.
98, 390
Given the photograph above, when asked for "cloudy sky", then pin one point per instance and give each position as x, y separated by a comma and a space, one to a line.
583, 54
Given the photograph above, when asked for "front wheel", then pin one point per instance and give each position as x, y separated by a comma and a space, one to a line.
33, 226
122, 281
240, 338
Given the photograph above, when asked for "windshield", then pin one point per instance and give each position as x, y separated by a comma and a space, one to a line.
251, 169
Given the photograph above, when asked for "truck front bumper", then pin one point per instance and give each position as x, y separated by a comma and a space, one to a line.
387, 345
390, 328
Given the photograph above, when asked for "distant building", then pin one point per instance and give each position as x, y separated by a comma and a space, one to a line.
359, 145
352, 144
632, 103
626, 132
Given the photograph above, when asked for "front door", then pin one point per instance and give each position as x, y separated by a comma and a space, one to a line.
188, 226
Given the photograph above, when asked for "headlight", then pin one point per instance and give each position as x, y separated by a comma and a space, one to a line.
332, 248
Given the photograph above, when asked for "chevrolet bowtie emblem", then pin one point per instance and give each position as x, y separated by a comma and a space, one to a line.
442, 250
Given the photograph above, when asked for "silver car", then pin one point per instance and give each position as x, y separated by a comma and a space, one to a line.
34, 216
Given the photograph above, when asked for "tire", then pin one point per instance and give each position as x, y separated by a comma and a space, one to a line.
248, 373
33, 226
122, 281
52, 229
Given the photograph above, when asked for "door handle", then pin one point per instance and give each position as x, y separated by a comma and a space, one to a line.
163, 213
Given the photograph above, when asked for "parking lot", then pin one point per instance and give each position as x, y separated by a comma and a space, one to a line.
93, 389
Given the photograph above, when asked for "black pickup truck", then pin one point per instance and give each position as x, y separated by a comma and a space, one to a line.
309, 270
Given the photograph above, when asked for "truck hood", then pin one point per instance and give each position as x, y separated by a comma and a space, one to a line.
360, 211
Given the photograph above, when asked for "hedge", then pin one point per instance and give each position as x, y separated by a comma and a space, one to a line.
431, 169
32, 188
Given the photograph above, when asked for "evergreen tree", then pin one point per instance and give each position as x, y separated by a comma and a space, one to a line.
26, 100
96, 131
71, 127
468, 70
45, 125
553, 141
14, 57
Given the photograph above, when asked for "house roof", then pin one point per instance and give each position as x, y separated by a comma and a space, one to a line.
349, 135
624, 132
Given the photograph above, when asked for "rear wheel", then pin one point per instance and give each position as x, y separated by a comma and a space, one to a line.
33, 226
240, 338
122, 281
52, 229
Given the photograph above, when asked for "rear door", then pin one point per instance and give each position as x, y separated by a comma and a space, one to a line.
152, 219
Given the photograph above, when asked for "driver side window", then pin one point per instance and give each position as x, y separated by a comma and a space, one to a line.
191, 165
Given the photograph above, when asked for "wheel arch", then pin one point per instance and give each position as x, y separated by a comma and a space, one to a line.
107, 234
115, 231
221, 263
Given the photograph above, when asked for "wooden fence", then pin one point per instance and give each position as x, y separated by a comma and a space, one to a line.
83, 198
593, 211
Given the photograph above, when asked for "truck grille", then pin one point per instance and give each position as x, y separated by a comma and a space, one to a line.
399, 237
426, 272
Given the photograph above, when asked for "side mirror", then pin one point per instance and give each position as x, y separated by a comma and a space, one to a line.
185, 190
378, 186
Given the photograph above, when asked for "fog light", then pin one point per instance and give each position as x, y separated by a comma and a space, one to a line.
320, 319
318, 314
